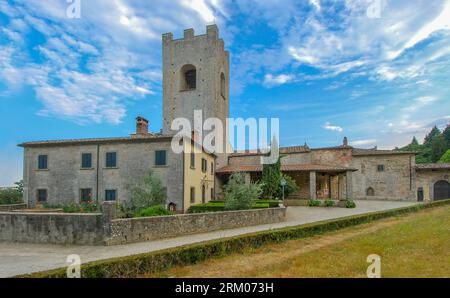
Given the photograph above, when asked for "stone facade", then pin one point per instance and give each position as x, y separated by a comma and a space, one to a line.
345, 172
427, 179
64, 177
151, 228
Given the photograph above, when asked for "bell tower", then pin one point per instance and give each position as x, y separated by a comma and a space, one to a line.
195, 77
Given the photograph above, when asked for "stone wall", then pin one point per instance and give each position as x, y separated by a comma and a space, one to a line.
151, 228
102, 228
55, 228
7, 208
396, 182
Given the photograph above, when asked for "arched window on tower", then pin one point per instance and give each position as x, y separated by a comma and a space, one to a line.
188, 77
370, 192
222, 85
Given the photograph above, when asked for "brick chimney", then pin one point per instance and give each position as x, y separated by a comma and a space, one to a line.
345, 142
141, 126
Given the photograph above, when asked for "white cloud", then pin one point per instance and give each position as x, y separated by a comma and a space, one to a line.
271, 80
364, 142
316, 4
93, 68
329, 126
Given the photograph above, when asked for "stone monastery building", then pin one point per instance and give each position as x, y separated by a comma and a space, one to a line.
196, 77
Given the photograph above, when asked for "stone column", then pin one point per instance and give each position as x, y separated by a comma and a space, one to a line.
247, 178
342, 192
109, 212
312, 185
349, 185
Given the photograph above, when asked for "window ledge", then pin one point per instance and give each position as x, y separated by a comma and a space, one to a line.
42, 170
110, 168
192, 168
161, 166
86, 169
187, 90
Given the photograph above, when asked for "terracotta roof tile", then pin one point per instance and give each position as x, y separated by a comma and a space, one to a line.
149, 138
285, 168
364, 152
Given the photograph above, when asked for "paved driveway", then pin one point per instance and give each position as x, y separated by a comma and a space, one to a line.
20, 258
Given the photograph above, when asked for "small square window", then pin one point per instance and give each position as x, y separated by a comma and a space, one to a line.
42, 195
86, 160
110, 195
85, 195
380, 168
42, 162
160, 158
111, 159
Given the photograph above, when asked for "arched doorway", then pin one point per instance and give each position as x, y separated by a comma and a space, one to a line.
441, 190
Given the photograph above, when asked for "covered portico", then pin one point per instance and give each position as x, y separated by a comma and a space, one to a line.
313, 181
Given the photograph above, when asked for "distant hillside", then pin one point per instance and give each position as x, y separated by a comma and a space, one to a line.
434, 148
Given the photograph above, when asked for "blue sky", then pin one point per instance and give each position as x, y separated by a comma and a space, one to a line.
327, 69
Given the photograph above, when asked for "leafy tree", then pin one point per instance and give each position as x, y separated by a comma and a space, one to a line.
291, 186
10, 196
239, 195
19, 186
438, 148
445, 157
147, 192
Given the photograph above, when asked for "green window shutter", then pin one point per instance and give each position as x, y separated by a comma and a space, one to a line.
86, 160
160, 158
42, 162
111, 159
110, 195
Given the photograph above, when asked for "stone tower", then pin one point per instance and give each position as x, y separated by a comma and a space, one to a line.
195, 77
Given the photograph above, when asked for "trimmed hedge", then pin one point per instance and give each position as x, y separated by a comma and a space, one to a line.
152, 262
217, 206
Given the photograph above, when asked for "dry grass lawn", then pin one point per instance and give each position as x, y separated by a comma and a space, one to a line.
415, 245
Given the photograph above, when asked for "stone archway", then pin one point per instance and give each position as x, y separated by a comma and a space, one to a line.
441, 190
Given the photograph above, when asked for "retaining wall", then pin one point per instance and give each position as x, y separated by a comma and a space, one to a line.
151, 228
7, 208
56, 228
102, 228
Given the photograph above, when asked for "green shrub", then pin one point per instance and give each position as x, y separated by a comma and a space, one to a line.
153, 262
218, 207
158, 210
272, 203
208, 207
238, 194
291, 186
314, 203
350, 204
329, 203
147, 192
260, 206
9, 196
